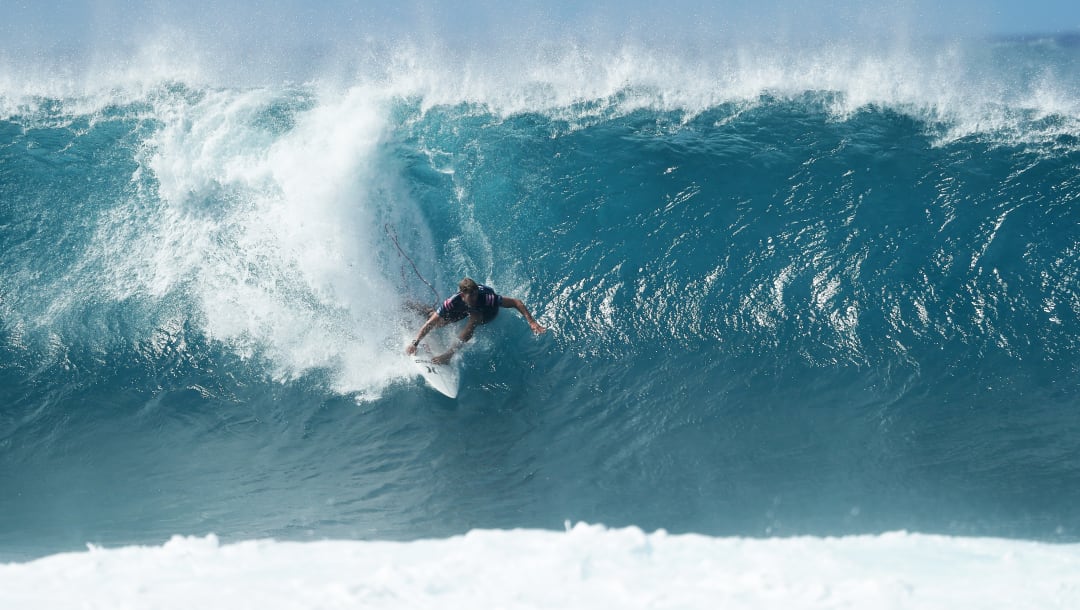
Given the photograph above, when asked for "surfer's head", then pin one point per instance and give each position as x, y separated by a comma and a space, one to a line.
468, 290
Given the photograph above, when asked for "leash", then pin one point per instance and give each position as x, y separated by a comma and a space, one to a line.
392, 234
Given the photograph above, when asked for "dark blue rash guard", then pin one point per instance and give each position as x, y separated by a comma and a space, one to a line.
487, 305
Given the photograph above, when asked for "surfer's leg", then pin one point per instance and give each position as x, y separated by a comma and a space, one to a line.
423, 309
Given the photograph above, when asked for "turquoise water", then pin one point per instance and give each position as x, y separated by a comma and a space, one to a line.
782, 301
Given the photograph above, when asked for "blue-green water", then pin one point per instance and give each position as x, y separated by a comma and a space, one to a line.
846, 302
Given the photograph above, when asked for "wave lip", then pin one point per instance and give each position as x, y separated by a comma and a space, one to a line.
971, 86
587, 566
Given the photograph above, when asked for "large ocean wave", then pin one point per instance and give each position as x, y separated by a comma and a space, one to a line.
821, 293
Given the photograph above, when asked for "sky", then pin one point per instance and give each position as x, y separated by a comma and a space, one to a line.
97, 23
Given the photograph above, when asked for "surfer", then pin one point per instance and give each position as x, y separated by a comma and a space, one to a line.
476, 302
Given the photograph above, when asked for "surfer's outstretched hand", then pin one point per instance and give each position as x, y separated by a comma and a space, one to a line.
536, 328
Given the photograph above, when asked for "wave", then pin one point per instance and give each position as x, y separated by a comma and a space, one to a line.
266, 212
767, 276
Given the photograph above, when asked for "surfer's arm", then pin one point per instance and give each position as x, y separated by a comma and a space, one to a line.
424, 330
463, 338
467, 332
524, 311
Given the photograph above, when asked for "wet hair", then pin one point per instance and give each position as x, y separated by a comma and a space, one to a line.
467, 285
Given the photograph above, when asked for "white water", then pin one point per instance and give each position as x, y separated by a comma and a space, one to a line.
584, 567
271, 237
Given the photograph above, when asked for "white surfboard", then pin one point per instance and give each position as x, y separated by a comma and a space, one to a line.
445, 378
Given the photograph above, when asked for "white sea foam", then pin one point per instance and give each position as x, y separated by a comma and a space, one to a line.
584, 567
272, 235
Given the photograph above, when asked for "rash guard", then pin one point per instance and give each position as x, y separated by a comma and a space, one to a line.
487, 305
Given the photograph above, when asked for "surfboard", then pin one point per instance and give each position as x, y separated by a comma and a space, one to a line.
444, 378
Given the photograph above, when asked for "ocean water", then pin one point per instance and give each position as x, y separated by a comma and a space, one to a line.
817, 294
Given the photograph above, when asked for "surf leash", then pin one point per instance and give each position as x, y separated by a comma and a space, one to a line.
393, 237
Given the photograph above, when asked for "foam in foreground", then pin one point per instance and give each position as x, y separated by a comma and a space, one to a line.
585, 567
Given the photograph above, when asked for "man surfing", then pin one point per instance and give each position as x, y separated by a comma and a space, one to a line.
474, 301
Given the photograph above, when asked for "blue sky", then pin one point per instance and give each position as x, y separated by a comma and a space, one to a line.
44, 23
